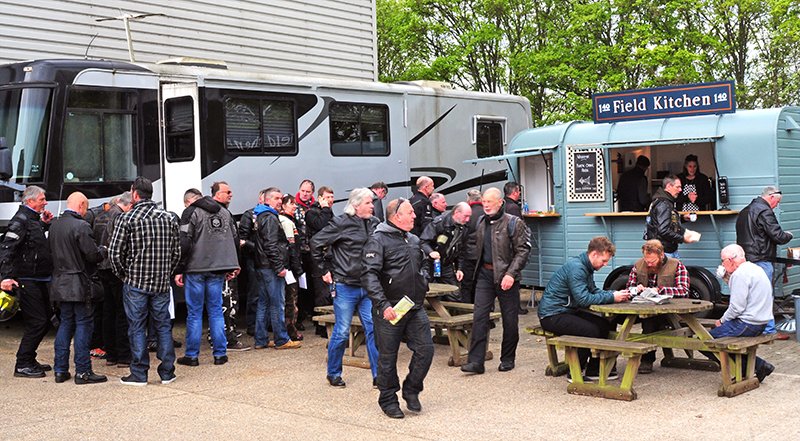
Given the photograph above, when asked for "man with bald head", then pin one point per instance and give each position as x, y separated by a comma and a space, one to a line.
421, 203
76, 286
445, 239
503, 244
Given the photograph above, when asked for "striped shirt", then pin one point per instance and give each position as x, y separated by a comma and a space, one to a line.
145, 247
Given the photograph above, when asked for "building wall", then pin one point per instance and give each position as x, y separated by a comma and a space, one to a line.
329, 38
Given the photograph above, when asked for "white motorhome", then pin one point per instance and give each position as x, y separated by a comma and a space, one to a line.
92, 126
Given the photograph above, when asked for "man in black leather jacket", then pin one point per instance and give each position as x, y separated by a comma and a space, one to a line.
75, 287
503, 245
337, 251
759, 234
664, 221
394, 267
445, 238
25, 258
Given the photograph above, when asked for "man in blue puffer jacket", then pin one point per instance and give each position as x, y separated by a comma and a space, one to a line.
571, 288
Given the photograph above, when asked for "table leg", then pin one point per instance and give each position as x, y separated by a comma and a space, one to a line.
625, 328
437, 306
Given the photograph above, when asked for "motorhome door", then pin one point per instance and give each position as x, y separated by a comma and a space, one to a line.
180, 143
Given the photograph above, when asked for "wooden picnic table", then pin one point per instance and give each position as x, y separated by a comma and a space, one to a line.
453, 317
678, 312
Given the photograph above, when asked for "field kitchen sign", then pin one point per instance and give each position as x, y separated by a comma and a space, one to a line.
665, 102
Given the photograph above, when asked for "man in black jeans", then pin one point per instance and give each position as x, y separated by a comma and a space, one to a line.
25, 262
394, 267
503, 244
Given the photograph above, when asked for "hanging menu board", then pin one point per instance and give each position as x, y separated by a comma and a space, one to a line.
585, 177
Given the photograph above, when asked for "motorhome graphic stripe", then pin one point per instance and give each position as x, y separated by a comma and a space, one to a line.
430, 127
326, 102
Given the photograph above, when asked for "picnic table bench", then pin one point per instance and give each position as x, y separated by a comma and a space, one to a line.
355, 340
736, 378
554, 367
607, 350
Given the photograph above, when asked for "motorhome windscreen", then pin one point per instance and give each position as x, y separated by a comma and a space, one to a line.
24, 119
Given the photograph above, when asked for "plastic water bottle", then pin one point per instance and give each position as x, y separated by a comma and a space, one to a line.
437, 268
525, 207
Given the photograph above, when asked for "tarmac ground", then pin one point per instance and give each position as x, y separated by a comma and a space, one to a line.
284, 395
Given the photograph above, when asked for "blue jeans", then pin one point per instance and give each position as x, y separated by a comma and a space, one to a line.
270, 298
204, 288
348, 299
770, 270
77, 321
737, 328
674, 255
138, 305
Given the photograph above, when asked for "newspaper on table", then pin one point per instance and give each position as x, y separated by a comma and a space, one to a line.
401, 308
651, 296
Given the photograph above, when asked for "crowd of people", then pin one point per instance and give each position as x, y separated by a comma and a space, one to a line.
294, 254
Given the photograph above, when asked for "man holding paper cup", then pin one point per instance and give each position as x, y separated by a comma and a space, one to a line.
394, 269
664, 221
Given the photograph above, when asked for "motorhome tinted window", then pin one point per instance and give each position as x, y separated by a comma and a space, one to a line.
99, 137
260, 126
489, 139
359, 129
24, 119
180, 129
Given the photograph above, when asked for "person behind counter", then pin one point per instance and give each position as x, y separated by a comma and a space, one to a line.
697, 194
632, 188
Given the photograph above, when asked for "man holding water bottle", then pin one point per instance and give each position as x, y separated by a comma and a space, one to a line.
444, 241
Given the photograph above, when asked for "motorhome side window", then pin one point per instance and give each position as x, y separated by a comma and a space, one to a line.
260, 126
489, 138
179, 125
99, 136
359, 129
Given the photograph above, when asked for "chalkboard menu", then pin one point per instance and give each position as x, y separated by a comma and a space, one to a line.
585, 175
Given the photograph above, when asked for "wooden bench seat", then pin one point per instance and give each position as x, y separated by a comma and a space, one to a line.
459, 329
736, 378
607, 350
554, 367
356, 339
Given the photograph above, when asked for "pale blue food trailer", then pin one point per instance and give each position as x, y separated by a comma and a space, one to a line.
570, 172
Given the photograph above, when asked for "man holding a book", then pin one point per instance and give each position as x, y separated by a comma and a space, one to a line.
395, 269
666, 274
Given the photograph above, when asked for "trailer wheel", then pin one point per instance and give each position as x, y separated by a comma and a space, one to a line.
618, 283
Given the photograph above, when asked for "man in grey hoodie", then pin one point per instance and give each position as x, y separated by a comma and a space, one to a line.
208, 236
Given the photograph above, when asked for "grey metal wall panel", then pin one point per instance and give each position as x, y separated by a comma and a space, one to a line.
788, 147
331, 38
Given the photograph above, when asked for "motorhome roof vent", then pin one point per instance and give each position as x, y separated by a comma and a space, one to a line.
430, 83
197, 62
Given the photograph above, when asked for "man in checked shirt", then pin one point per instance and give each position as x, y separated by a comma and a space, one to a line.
656, 270
144, 251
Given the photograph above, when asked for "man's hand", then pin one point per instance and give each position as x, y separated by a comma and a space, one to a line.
621, 296
506, 283
323, 203
47, 216
327, 278
687, 237
241, 243
179, 280
717, 324
282, 273
434, 255
389, 314
8, 284
459, 275
232, 275
639, 288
